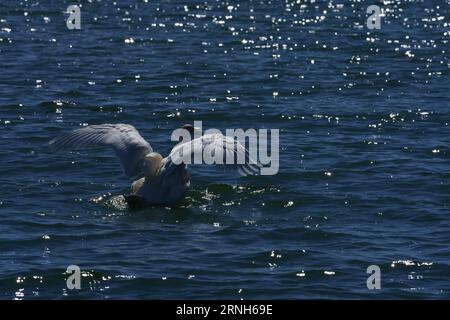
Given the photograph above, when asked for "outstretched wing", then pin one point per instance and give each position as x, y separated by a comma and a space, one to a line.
124, 139
214, 149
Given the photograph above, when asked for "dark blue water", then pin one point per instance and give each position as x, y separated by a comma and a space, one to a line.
364, 174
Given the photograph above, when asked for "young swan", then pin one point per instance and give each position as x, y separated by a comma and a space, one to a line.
152, 164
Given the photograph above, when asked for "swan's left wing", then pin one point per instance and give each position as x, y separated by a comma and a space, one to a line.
124, 139
214, 149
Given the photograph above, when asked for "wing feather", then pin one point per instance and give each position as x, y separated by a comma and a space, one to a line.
124, 139
216, 145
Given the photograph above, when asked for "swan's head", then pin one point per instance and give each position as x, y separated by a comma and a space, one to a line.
191, 129
152, 164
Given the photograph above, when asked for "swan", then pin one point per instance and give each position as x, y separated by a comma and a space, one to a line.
159, 180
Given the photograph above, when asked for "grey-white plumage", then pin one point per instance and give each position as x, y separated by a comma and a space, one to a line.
222, 150
124, 139
165, 180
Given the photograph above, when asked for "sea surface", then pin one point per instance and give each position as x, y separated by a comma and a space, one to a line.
364, 175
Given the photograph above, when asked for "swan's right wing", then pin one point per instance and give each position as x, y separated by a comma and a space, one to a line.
218, 149
124, 139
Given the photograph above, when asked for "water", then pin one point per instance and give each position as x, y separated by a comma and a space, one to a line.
364, 173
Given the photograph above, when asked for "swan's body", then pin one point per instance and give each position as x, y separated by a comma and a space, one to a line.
162, 181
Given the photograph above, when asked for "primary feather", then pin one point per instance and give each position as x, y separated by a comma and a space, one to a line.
124, 139
221, 149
